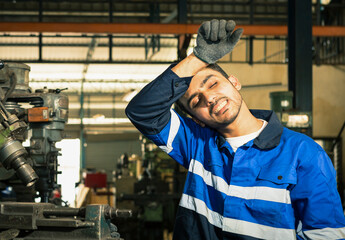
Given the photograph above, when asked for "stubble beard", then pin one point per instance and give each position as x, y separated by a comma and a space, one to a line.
227, 121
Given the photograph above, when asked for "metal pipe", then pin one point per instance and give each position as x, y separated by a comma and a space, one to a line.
154, 28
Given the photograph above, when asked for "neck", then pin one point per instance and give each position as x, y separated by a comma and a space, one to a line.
245, 123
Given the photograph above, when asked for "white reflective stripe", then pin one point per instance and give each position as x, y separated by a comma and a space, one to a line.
261, 193
257, 230
200, 207
212, 180
326, 233
174, 126
233, 225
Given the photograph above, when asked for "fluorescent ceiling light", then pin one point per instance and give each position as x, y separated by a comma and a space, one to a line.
98, 121
323, 2
117, 105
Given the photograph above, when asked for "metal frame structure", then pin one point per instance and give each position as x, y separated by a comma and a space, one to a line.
179, 18
329, 40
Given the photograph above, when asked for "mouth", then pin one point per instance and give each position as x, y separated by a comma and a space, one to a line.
219, 107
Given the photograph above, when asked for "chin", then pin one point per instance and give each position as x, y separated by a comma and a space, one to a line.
228, 120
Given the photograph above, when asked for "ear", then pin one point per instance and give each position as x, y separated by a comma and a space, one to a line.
235, 82
198, 121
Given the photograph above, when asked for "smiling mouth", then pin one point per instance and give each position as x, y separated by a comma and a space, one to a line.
219, 107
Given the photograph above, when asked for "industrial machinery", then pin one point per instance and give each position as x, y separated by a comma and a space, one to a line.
299, 121
44, 121
40, 116
153, 194
47, 221
12, 153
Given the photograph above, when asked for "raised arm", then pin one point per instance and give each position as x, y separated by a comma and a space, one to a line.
150, 110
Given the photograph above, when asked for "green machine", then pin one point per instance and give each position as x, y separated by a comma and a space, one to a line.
282, 105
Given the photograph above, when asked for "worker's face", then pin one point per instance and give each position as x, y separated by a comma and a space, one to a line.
213, 99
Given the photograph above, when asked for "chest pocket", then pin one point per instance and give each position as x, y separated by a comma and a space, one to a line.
278, 175
271, 203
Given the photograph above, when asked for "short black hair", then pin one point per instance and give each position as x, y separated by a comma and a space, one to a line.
217, 68
214, 67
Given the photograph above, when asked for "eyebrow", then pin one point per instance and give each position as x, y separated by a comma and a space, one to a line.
201, 85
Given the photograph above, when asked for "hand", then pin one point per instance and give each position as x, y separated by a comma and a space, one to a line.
215, 39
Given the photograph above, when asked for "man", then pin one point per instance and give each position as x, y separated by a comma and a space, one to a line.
248, 177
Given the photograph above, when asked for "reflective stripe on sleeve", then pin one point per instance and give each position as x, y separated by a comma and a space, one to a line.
261, 193
257, 230
174, 126
326, 233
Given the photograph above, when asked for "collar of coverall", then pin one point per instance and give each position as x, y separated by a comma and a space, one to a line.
270, 136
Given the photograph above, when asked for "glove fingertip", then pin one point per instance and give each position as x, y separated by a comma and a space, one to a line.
236, 35
238, 32
230, 25
205, 29
214, 30
214, 21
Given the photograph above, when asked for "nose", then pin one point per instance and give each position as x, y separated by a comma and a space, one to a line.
210, 98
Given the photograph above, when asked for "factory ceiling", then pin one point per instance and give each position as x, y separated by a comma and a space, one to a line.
141, 11
127, 56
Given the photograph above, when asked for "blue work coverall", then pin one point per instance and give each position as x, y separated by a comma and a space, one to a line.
280, 185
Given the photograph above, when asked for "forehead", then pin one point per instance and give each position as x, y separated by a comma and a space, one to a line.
198, 79
205, 72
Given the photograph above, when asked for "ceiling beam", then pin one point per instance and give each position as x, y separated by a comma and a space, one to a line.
154, 28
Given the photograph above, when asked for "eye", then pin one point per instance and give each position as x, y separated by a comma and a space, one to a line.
195, 102
213, 84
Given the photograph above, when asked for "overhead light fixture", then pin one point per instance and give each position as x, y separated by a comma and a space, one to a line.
100, 121
296, 119
323, 2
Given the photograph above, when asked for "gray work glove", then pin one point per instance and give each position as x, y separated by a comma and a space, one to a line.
215, 39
